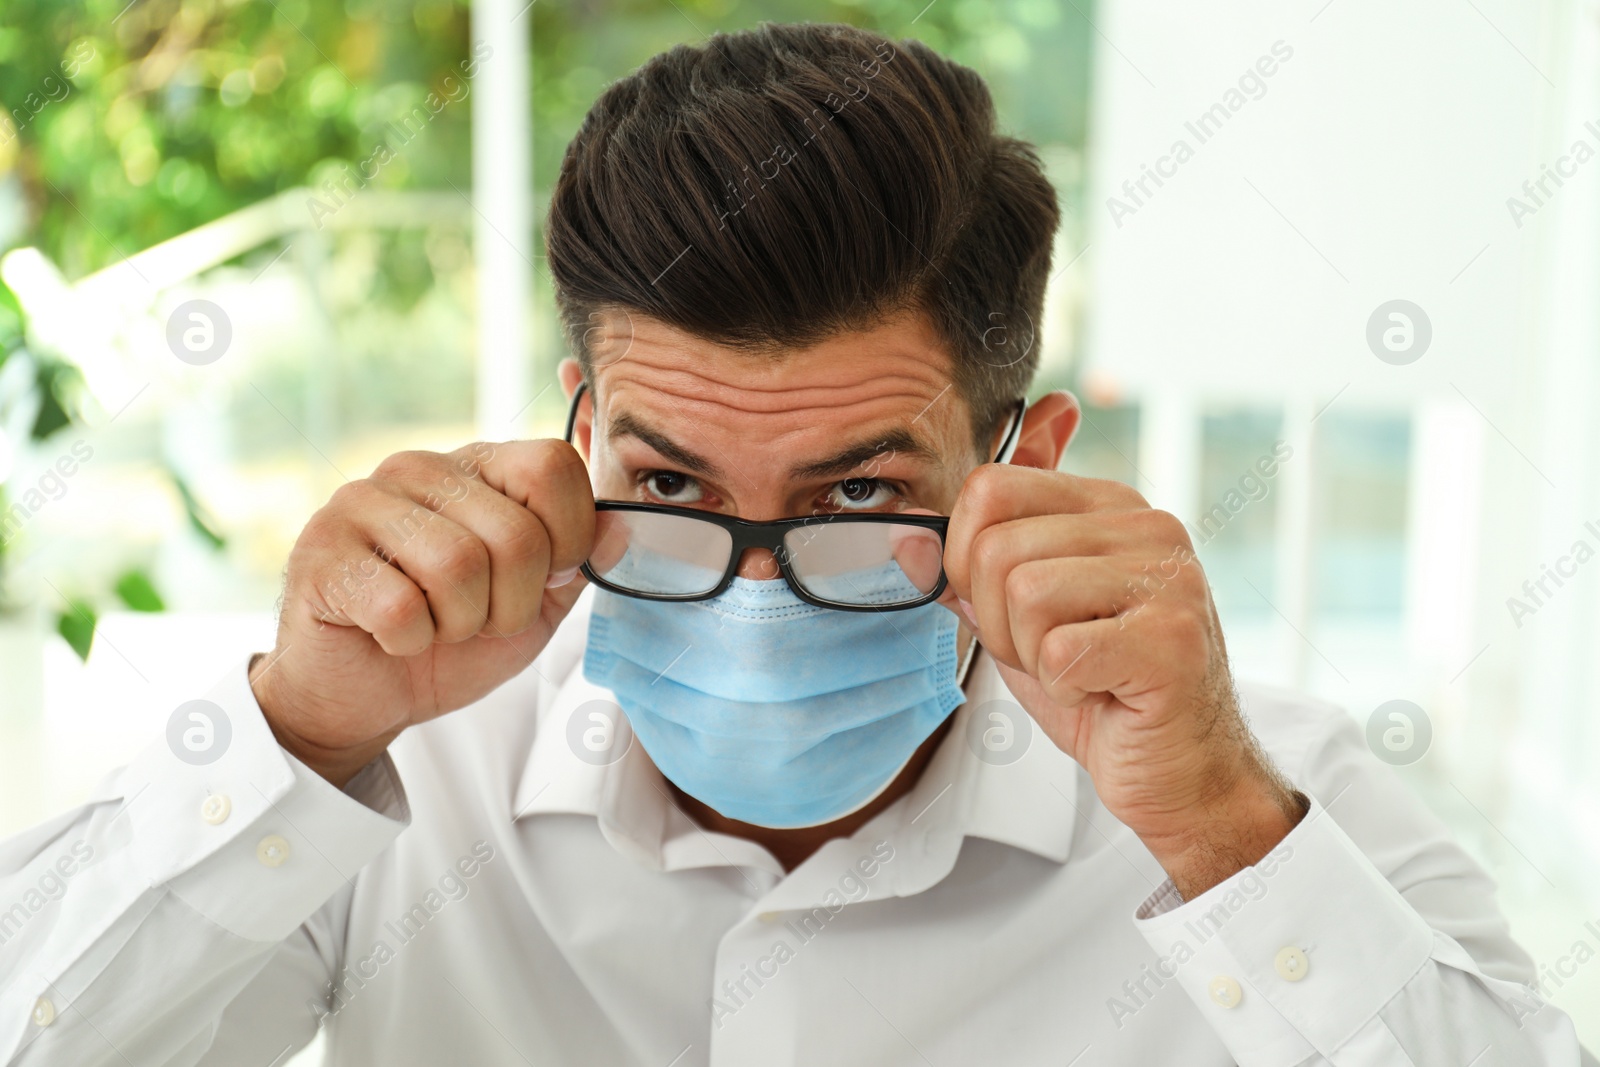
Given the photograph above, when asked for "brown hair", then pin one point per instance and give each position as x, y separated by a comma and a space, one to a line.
775, 186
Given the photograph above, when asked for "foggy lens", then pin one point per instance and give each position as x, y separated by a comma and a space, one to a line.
669, 555
865, 563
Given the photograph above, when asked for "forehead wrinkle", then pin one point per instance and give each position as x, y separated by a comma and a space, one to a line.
800, 414
759, 393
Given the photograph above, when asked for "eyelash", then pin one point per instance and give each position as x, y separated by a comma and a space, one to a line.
644, 477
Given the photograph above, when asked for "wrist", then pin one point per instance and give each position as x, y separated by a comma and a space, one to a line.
1234, 832
335, 764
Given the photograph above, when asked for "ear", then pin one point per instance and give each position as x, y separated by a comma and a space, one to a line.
1048, 426
570, 374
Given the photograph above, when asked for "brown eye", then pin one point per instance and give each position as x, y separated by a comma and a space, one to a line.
673, 487
859, 494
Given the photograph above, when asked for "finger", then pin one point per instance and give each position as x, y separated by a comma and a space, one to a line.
1041, 594
1131, 662
1082, 659
612, 537
918, 550
444, 559
519, 553
999, 493
919, 553
549, 479
1141, 541
354, 587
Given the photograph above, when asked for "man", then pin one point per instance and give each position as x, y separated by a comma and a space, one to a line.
767, 794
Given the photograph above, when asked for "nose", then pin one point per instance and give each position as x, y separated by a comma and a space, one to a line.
758, 564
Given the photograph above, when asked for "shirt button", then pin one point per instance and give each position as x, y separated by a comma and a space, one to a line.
44, 1012
1291, 964
272, 851
1225, 991
216, 808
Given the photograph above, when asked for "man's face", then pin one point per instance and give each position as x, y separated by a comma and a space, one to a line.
862, 422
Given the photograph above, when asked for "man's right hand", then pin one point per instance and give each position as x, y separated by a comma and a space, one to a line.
419, 590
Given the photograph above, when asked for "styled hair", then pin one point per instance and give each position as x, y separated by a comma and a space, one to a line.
776, 186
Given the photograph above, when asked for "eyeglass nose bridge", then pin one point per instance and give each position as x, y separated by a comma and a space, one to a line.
775, 562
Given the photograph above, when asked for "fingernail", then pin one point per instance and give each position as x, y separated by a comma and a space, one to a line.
966, 609
560, 578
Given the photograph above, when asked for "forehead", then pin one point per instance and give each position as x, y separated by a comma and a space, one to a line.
893, 375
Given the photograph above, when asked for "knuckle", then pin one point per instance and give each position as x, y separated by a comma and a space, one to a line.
349, 498
460, 559
409, 466
1167, 527
319, 535
521, 541
1057, 651
1184, 636
1126, 494
553, 460
468, 460
988, 550
1192, 581
398, 611
1024, 586
984, 487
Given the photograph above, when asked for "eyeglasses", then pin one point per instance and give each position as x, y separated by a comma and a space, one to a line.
850, 562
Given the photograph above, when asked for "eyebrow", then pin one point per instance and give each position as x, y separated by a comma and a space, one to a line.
898, 441
625, 425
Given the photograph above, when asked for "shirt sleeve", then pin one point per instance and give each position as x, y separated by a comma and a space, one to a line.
1367, 937
134, 921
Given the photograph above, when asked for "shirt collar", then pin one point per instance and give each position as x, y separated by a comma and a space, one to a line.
1028, 803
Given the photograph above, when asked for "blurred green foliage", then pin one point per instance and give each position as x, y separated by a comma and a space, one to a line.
76, 626
127, 123
131, 123
137, 592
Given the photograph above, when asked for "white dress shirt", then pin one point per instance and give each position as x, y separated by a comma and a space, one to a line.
490, 892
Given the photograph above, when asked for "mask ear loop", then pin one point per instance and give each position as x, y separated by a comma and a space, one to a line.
966, 663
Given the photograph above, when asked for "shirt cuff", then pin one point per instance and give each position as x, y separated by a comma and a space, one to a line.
241, 830
1294, 954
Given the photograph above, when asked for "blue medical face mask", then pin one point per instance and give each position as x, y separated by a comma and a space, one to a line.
770, 710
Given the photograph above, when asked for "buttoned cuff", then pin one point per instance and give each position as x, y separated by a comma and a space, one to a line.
1294, 954
241, 830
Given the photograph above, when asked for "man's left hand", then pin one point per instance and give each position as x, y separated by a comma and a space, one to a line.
1101, 619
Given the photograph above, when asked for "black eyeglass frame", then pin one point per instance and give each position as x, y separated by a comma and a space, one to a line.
770, 536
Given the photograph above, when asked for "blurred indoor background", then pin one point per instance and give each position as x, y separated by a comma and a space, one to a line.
1351, 243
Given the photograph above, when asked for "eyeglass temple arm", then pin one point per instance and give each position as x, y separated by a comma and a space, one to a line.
572, 412
1008, 446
